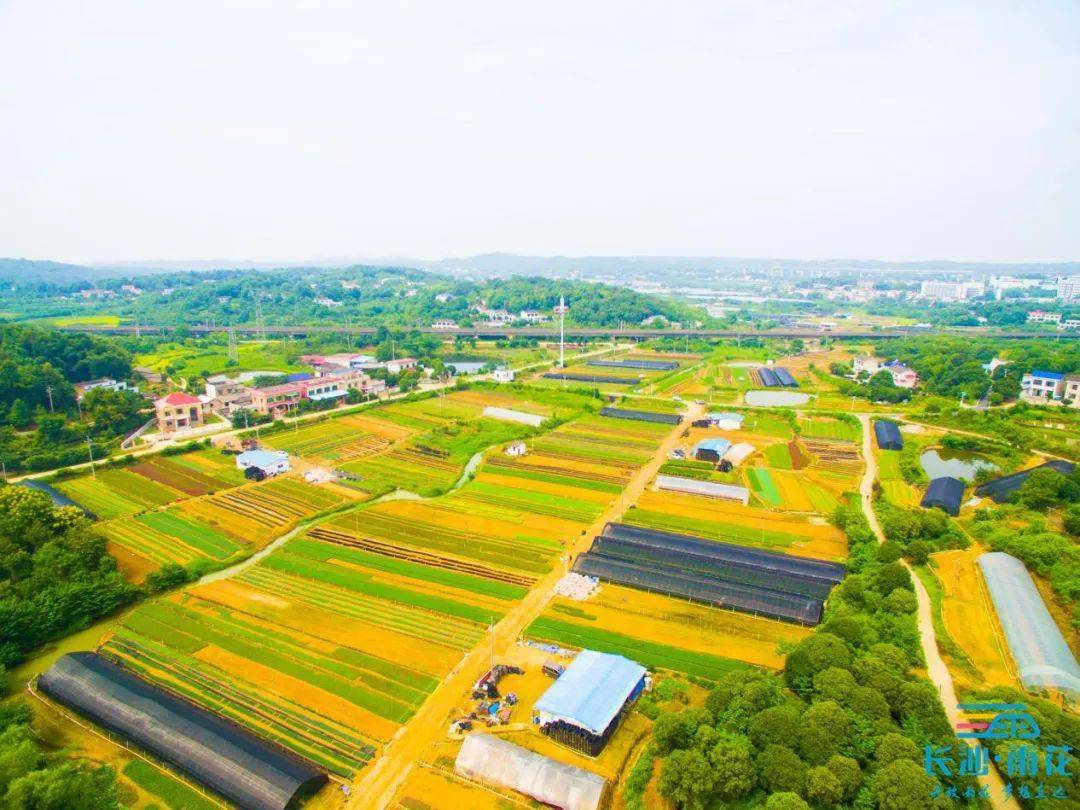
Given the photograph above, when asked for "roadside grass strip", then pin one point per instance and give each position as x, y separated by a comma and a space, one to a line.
650, 654
763, 485
169, 789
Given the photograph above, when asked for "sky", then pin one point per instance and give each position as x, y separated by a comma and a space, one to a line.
297, 131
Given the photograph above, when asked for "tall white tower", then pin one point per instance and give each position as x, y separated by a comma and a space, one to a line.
561, 311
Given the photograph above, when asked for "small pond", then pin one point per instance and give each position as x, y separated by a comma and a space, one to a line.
778, 398
954, 463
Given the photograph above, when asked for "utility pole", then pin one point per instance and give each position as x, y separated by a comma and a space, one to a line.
48, 391
90, 448
561, 311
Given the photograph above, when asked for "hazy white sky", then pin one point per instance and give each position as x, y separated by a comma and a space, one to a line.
298, 130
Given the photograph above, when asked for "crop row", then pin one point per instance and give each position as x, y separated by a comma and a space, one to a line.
651, 654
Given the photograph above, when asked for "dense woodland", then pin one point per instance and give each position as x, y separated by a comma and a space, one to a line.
41, 425
844, 725
56, 575
371, 296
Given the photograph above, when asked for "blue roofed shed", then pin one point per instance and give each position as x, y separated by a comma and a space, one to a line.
583, 706
718, 446
268, 462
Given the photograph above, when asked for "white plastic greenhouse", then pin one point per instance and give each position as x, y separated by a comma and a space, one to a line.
692, 486
510, 415
489, 759
1042, 657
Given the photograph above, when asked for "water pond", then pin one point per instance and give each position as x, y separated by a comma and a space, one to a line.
954, 463
776, 398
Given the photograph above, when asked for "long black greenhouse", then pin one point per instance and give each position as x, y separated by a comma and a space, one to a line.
785, 378
592, 378
1001, 489
642, 416
944, 493
229, 760
644, 365
744, 579
888, 435
768, 378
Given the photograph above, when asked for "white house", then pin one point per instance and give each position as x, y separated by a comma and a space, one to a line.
1042, 316
107, 383
531, 316
400, 365
503, 375
268, 462
516, 449
871, 365
444, 324
1042, 385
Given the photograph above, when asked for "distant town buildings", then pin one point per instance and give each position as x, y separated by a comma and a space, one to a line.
1068, 288
444, 324
1042, 316
952, 290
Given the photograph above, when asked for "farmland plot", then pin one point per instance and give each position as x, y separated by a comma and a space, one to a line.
259, 512
702, 632
167, 537
344, 438
117, 492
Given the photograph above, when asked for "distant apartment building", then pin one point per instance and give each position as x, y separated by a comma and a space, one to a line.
444, 324
178, 412
1042, 316
1069, 324
1068, 288
1045, 385
951, 290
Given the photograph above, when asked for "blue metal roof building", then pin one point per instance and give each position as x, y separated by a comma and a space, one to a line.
582, 707
717, 445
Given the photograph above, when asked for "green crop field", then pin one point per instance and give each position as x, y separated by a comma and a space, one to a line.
824, 428
778, 456
762, 485
648, 653
177, 795
113, 493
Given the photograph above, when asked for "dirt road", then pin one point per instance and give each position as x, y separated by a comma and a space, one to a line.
376, 786
936, 670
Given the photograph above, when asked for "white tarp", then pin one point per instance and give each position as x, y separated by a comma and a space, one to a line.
510, 415
739, 453
490, 759
709, 489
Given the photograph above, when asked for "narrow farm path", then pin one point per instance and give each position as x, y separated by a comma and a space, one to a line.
935, 667
376, 786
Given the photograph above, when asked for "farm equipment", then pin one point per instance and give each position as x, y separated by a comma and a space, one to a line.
488, 685
553, 669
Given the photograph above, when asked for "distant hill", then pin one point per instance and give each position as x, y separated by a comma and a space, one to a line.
31, 270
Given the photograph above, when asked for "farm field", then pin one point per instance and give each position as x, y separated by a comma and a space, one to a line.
340, 439
260, 512
329, 644
969, 616
168, 537
254, 355
696, 629
743, 525
117, 492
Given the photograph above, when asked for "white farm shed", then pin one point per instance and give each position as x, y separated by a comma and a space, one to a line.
709, 489
270, 462
490, 759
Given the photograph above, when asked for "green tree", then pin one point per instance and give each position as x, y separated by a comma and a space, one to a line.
902, 785
733, 768
1041, 489
780, 770
847, 773
786, 801
686, 777
822, 787
892, 747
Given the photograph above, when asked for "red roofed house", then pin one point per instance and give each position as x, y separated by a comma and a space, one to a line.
178, 411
